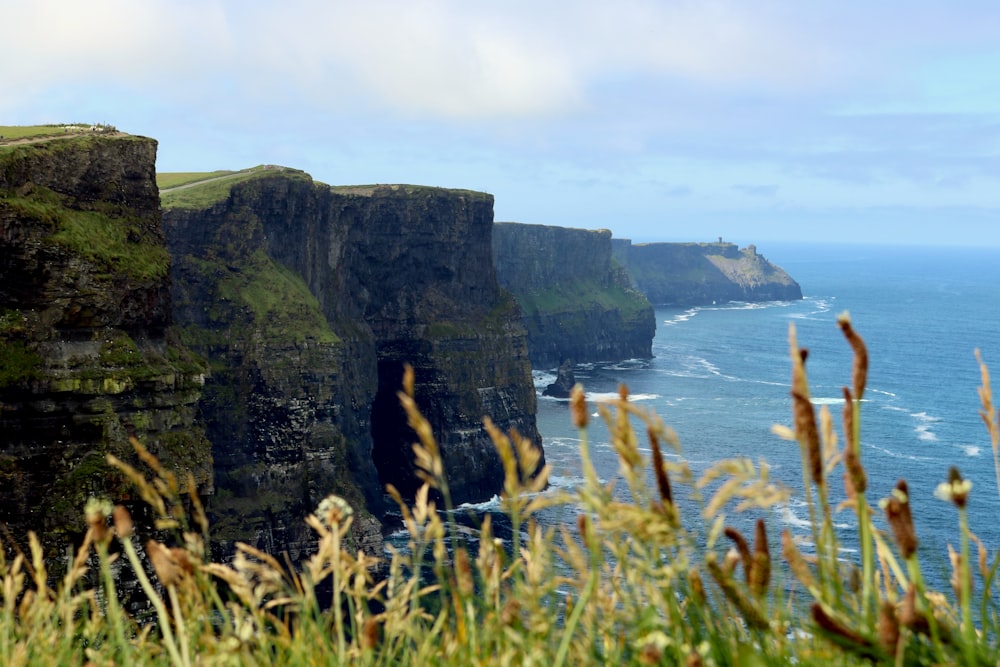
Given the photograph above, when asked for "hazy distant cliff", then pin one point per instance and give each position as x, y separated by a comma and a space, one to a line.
577, 303
698, 273
86, 351
308, 300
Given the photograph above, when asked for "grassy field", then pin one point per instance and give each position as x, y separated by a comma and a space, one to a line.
167, 180
634, 582
10, 132
196, 190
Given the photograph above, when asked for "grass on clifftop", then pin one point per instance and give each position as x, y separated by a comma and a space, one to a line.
13, 132
639, 580
198, 190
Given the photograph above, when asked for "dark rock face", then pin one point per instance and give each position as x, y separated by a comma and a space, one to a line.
376, 278
690, 274
577, 302
87, 355
565, 380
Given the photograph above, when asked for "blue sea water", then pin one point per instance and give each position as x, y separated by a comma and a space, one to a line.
720, 377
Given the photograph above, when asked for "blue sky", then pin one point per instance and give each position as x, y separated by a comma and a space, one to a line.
661, 120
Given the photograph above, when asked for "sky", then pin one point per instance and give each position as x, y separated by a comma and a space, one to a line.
662, 120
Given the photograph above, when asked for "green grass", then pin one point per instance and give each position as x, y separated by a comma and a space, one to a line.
29, 131
272, 299
118, 243
370, 189
205, 192
165, 180
570, 297
635, 582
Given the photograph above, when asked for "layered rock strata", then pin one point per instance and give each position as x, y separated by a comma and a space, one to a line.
577, 302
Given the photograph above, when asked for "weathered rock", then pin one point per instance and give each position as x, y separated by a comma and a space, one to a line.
87, 357
577, 302
565, 380
691, 274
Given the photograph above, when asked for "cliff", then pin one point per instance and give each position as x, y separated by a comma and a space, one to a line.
577, 302
688, 274
308, 301
87, 352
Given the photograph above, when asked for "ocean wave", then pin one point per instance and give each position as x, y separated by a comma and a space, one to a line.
683, 317
923, 428
628, 365
563, 441
899, 455
491, 505
827, 400
565, 481
972, 450
602, 396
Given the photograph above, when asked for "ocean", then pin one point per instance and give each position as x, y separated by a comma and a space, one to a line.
720, 377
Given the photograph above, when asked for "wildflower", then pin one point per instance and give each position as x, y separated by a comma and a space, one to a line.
955, 490
333, 510
97, 512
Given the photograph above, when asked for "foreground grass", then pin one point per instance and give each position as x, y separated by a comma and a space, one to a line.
634, 583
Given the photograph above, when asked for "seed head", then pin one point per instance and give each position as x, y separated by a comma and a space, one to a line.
897, 512
578, 406
860, 368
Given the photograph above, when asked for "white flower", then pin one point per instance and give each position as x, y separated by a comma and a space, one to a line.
333, 510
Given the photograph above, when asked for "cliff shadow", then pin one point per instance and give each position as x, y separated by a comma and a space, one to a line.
391, 436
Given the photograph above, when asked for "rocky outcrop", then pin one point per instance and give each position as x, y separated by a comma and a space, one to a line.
87, 353
577, 302
308, 301
565, 380
689, 274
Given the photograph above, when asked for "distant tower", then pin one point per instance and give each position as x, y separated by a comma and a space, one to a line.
720, 239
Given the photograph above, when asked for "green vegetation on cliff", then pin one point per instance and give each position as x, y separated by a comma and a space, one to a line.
198, 190
275, 302
107, 234
575, 295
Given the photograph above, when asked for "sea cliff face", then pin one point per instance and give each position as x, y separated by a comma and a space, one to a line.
303, 391
577, 302
87, 353
690, 274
